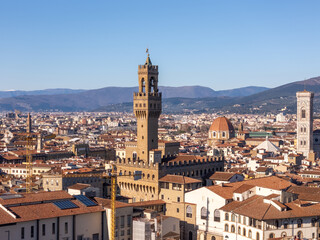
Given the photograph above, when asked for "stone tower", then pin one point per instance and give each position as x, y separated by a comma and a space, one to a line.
39, 143
305, 122
147, 109
29, 123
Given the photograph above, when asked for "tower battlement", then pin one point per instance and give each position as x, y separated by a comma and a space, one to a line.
144, 94
137, 164
195, 162
149, 67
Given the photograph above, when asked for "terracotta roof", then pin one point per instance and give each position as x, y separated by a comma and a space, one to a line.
223, 191
243, 188
222, 176
36, 197
256, 208
273, 182
107, 203
147, 203
42, 209
306, 193
79, 186
221, 124
178, 179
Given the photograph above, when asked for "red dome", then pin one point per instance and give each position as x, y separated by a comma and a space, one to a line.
221, 124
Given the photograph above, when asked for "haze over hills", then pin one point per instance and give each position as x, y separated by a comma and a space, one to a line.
277, 98
15, 93
282, 98
175, 99
87, 100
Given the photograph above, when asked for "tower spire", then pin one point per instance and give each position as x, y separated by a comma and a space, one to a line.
148, 61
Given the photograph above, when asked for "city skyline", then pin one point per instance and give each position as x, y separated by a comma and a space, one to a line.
218, 45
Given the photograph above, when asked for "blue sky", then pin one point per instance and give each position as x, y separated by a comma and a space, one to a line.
88, 44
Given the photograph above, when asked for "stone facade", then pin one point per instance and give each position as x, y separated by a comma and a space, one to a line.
147, 188
153, 158
147, 109
305, 122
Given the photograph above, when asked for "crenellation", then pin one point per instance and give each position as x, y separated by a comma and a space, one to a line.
139, 156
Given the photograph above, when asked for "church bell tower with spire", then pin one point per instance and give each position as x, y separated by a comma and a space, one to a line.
147, 109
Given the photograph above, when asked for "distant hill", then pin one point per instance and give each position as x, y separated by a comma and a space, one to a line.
275, 99
282, 98
177, 105
97, 98
15, 93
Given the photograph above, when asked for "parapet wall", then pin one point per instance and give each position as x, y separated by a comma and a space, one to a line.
195, 162
141, 164
137, 164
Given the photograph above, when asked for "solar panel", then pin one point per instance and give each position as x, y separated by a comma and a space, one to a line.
66, 204
86, 201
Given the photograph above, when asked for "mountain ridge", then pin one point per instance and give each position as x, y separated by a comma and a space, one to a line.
92, 99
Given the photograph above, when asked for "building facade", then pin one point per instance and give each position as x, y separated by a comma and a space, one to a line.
152, 158
305, 122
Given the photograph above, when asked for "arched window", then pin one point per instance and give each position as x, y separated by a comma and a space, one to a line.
239, 230
257, 236
143, 85
223, 134
213, 238
271, 235
226, 217
233, 217
189, 211
152, 84
226, 228
244, 233
216, 215
303, 113
233, 229
134, 155
249, 234
283, 234
300, 235
203, 213
299, 223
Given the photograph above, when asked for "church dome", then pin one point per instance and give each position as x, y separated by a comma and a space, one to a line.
221, 124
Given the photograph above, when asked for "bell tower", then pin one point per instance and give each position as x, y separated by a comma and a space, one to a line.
305, 122
147, 109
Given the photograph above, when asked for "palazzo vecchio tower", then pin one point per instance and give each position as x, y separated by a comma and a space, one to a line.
147, 109
151, 157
